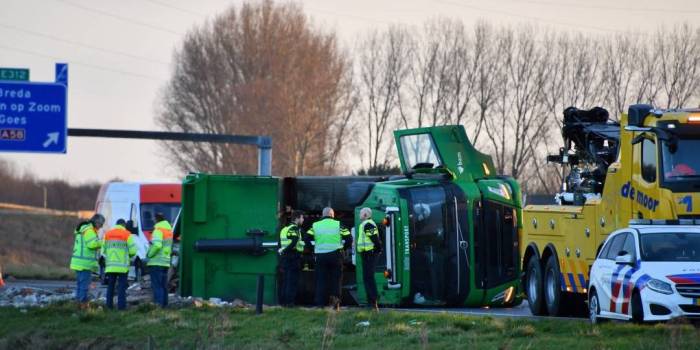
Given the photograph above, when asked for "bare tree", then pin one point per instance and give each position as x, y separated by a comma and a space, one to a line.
383, 67
620, 61
523, 117
344, 124
496, 124
679, 55
485, 60
440, 81
258, 69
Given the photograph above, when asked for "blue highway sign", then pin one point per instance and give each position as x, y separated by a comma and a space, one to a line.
32, 117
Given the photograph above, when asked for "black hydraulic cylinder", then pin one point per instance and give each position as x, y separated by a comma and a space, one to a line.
259, 300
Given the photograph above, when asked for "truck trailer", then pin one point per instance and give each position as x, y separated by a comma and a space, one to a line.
449, 226
644, 167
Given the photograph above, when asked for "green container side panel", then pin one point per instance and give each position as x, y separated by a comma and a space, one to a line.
227, 207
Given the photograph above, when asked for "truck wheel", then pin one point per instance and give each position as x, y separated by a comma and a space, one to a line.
533, 287
552, 287
637, 309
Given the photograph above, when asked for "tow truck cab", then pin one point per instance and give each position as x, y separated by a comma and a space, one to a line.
645, 167
449, 227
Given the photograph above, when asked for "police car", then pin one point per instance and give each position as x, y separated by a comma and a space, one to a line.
647, 272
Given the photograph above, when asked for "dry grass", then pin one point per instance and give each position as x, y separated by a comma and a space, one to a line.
36, 246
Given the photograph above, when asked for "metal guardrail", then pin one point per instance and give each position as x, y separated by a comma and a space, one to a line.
30, 210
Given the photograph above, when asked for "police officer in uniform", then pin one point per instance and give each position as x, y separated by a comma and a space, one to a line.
327, 235
291, 247
369, 248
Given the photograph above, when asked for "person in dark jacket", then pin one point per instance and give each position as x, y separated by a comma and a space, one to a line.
291, 247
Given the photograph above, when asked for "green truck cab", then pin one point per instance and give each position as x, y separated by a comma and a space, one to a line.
449, 226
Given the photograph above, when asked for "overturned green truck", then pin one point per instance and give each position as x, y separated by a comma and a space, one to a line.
449, 225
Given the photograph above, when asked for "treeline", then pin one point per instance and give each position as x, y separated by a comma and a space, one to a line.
24, 188
266, 69
510, 85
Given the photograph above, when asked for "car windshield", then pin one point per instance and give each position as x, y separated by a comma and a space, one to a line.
419, 151
684, 163
676, 246
149, 210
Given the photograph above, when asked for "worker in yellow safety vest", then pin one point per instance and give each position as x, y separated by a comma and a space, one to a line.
291, 247
369, 248
327, 235
118, 248
86, 250
159, 259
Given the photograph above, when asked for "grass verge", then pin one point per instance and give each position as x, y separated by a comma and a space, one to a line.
36, 246
38, 272
63, 326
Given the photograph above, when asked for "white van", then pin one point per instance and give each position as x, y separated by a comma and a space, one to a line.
138, 202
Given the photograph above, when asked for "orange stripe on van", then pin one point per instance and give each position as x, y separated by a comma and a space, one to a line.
161, 193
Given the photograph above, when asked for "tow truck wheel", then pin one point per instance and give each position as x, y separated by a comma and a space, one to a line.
533, 280
552, 287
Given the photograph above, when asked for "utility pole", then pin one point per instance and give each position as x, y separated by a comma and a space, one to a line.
45, 192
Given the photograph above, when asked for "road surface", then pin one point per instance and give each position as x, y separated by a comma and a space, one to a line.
520, 311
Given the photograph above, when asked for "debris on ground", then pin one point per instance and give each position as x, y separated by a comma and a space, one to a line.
136, 294
217, 302
362, 324
28, 297
414, 323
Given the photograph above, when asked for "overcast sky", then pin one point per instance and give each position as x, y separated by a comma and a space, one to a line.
119, 54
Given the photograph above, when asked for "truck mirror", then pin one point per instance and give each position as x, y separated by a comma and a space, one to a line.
639, 138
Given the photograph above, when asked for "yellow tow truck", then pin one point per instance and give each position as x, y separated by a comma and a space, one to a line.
646, 166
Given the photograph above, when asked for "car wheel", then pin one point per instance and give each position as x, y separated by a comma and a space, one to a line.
594, 308
552, 287
533, 287
637, 309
